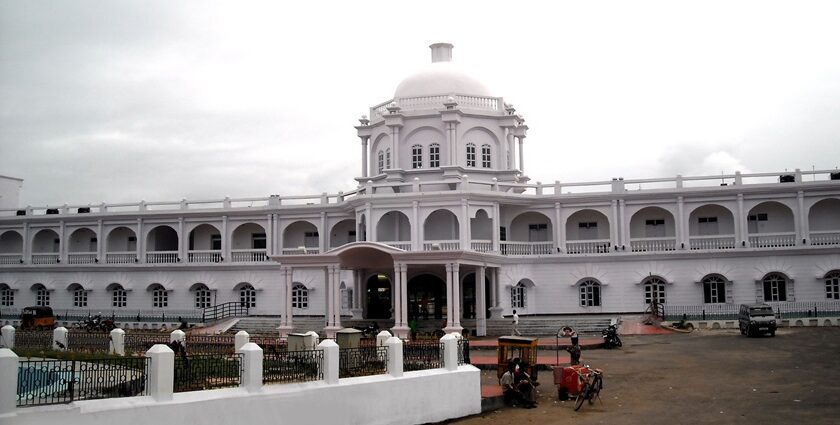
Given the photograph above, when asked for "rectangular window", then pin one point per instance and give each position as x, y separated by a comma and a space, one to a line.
387, 159
216, 242
160, 298
434, 156
380, 165
119, 298
42, 298
351, 236
258, 241
655, 228
517, 296
310, 239
80, 298
470, 155
588, 230
707, 226
7, 298
416, 157
538, 232
131, 243
502, 233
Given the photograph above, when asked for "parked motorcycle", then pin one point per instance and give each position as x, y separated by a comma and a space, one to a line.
370, 331
611, 338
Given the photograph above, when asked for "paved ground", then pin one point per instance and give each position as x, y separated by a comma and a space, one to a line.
706, 377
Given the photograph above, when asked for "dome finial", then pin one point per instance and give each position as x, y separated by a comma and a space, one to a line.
441, 52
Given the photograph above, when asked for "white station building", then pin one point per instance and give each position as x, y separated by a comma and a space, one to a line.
442, 202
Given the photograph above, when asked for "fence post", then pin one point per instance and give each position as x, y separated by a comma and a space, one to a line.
8, 382
395, 356
117, 342
240, 340
161, 372
252, 367
60, 338
381, 337
331, 359
7, 337
450, 351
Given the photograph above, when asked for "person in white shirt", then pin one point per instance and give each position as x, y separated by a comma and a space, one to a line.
516, 324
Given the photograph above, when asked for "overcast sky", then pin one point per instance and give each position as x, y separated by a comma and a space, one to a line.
163, 100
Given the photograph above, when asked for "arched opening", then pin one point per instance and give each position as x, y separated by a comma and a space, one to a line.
300, 296
771, 225
121, 246
654, 288
470, 297
378, 294
79, 294
652, 229
711, 227
342, 233
162, 245
588, 232
832, 285
202, 296
7, 296
11, 248
160, 295
426, 297
824, 222
589, 291
42, 295
481, 230
119, 296
301, 237
714, 289
441, 231
205, 244
82, 247
776, 287
45, 247
393, 227
248, 243
247, 295
530, 233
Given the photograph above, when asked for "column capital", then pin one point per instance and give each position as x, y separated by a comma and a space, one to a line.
456, 267
448, 267
621, 202
680, 199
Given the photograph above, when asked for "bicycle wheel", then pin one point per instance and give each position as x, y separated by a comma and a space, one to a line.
595, 389
584, 392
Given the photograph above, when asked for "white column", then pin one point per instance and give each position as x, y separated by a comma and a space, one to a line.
329, 314
623, 224
404, 295
481, 304
8, 382
679, 226
323, 234
741, 239
269, 234
141, 241
336, 271
161, 372
395, 356
802, 216
465, 225
330, 349
450, 352
365, 156
62, 242
560, 228
27, 246
496, 231
117, 344
450, 295
456, 288
615, 228
398, 295
511, 149
100, 242
60, 338
7, 337
395, 152
240, 339
416, 229
521, 154
182, 241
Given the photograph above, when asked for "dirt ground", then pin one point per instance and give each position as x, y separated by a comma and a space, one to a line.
706, 377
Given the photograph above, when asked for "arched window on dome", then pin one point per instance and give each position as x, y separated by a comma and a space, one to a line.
388, 159
470, 155
380, 162
485, 156
434, 155
416, 156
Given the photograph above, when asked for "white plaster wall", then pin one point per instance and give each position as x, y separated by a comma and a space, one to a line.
423, 136
11, 242
9, 192
242, 235
638, 228
779, 218
415, 398
393, 226
574, 232
725, 219
441, 225
118, 240
825, 215
202, 236
44, 241
79, 241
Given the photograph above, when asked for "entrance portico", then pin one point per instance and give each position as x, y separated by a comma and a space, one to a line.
412, 284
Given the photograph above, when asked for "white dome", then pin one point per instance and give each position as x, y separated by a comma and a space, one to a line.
440, 77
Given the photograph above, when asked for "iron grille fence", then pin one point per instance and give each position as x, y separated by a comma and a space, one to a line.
141, 342
783, 309
270, 344
125, 315
211, 344
421, 355
362, 361
463, 352
33, 340
293, 366
87, 341
43, 382
197, 372
804, 309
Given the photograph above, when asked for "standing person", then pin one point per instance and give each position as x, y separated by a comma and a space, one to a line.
516, 324
574, 351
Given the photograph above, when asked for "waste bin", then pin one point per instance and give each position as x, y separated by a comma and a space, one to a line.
348, 338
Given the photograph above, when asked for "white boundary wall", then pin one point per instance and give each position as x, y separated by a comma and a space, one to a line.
414, 398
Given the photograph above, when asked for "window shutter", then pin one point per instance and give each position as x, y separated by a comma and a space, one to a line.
789, 287
728, 287
759, 291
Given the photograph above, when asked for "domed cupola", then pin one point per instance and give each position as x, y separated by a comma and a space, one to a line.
441, 77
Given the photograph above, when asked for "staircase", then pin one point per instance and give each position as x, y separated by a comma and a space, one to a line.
267, 325
544, 326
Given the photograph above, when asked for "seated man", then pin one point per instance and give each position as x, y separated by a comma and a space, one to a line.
517, 388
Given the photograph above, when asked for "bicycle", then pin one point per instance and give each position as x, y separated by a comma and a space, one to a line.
592, 385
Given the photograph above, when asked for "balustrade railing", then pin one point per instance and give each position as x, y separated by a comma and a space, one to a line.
205, 256
248, 255
403, 245
481, 245
44, 382
653, 244
81, 258
444, 245
197, 372
45, 258
293, 366
825, 238
128, 257
301, 251
11, 259
527, 248
162, 257
712, 242
772, 240
597, 246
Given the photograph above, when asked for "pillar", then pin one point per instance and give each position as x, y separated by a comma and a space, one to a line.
286, 296
62, 242
416, 229
8, 382
60, 339
559, 228
622, 224
323, 234
450, 352
226, 250
456, 301
117, 344
615, 229
395, 356
741, 239
330, 349
466, 241
161, 372
183, 241
7, 337
521, 154
481, 303
336, 272
679, 227
100, 245
141, 242
497, 234
252, 367
803, 236
511, 150
365, 155
240, 339
450, 295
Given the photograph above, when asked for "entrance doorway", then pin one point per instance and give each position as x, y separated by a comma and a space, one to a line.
469, 296
426, 297
379, 297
